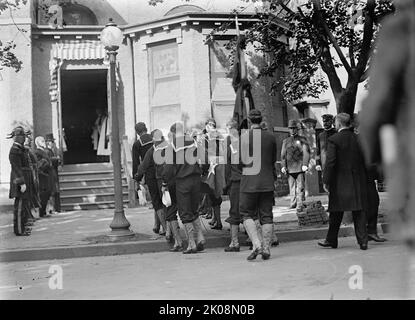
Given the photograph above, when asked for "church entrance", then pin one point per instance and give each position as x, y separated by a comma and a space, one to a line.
84, 116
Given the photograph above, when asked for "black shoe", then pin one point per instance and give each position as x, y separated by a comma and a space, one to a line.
190, 251
254, 254
212, 222
200, 246
275, 243
176, 249
156, 230
327, 244
232, 249
266, 255
208, 215
363, 246
376, 238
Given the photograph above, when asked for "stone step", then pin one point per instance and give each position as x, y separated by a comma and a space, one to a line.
90, 198
87, 167
89, 183
90, 206
70, 176
90, 190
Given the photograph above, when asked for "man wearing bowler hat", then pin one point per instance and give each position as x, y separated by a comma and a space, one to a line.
322, 141
20, 181
295, 157
56, 162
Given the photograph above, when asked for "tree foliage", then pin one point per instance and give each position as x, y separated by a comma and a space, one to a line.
7, 56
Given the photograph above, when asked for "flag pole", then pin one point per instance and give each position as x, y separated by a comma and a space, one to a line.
237, 24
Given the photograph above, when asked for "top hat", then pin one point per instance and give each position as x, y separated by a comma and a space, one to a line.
18, 131
327, 117
49, 137
293, 124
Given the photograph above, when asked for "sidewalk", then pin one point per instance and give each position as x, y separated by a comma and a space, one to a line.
83, 233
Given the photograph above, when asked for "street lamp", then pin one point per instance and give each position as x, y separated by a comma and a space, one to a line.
111, 39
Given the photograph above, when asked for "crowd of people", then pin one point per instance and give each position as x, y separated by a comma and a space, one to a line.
34, 180
220, 166
241, 164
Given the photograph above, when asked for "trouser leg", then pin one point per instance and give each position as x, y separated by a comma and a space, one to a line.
300, 189
197, 226
174, 226
18, 224
293, 190
57, 200
234, 236
335, 220
44, 198
267, 231
359, 220
191, 245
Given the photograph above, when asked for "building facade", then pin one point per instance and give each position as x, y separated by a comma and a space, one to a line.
166, 72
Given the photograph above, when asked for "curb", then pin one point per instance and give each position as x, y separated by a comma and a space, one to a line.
140, 247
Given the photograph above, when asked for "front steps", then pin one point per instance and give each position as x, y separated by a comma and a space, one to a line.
89, 186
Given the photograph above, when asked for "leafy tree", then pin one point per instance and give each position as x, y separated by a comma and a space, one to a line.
7, 56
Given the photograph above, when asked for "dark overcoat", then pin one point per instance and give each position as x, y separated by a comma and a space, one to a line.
345, 173
44, 165
322, 142
264, 160
21, 172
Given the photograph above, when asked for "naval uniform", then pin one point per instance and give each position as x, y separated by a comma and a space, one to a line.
20, 174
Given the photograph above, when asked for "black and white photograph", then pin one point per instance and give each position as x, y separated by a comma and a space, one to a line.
207, 156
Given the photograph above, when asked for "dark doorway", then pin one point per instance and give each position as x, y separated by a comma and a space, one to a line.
83, 91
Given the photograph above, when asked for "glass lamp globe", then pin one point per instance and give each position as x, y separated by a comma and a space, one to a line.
111, 36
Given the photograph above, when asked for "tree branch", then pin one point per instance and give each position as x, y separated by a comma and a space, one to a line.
351, 53
320, 20
365, 75
367, 38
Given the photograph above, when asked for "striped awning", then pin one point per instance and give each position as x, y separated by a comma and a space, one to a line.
78, 50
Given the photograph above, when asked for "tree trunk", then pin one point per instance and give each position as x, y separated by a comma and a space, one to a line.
346, 99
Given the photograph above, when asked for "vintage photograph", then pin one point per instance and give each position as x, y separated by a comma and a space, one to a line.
207, 150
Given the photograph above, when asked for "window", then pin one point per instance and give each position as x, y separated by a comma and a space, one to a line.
164, 85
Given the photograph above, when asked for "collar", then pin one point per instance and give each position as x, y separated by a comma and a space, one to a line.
18, 144
144, 143
345, 128
256, 126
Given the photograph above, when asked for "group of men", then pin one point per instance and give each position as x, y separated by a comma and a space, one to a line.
190, 165
34, 181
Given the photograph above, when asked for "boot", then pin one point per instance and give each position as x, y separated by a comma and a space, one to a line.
161, 214
197, 225
259, 230
191, 247
218, 221
156, 228
267, 231
234, 246
175, 230
251, 229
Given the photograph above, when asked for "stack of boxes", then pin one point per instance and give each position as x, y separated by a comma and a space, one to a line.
312, 213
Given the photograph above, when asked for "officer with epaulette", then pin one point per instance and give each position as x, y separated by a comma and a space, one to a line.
20, 181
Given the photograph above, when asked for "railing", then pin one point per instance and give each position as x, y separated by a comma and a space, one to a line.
127, 163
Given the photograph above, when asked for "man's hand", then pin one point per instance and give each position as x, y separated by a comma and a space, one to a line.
318, 167
23, 188
304, 168
326, 187
284, 170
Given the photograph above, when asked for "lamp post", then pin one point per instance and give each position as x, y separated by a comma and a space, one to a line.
111, 39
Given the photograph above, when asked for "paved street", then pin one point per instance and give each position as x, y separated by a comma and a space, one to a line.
297, 270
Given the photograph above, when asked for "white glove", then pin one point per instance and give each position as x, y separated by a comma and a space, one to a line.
23, 188
284, 170
318, 167
304, 168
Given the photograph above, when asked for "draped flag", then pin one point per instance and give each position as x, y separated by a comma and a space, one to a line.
244, 101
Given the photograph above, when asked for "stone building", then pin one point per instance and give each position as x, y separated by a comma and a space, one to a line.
165, 72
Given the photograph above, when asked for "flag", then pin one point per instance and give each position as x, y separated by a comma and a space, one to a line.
244, 101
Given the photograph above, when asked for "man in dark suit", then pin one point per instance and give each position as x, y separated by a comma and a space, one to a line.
257, 184
295, 156
322, 141
21, 182
345, 179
